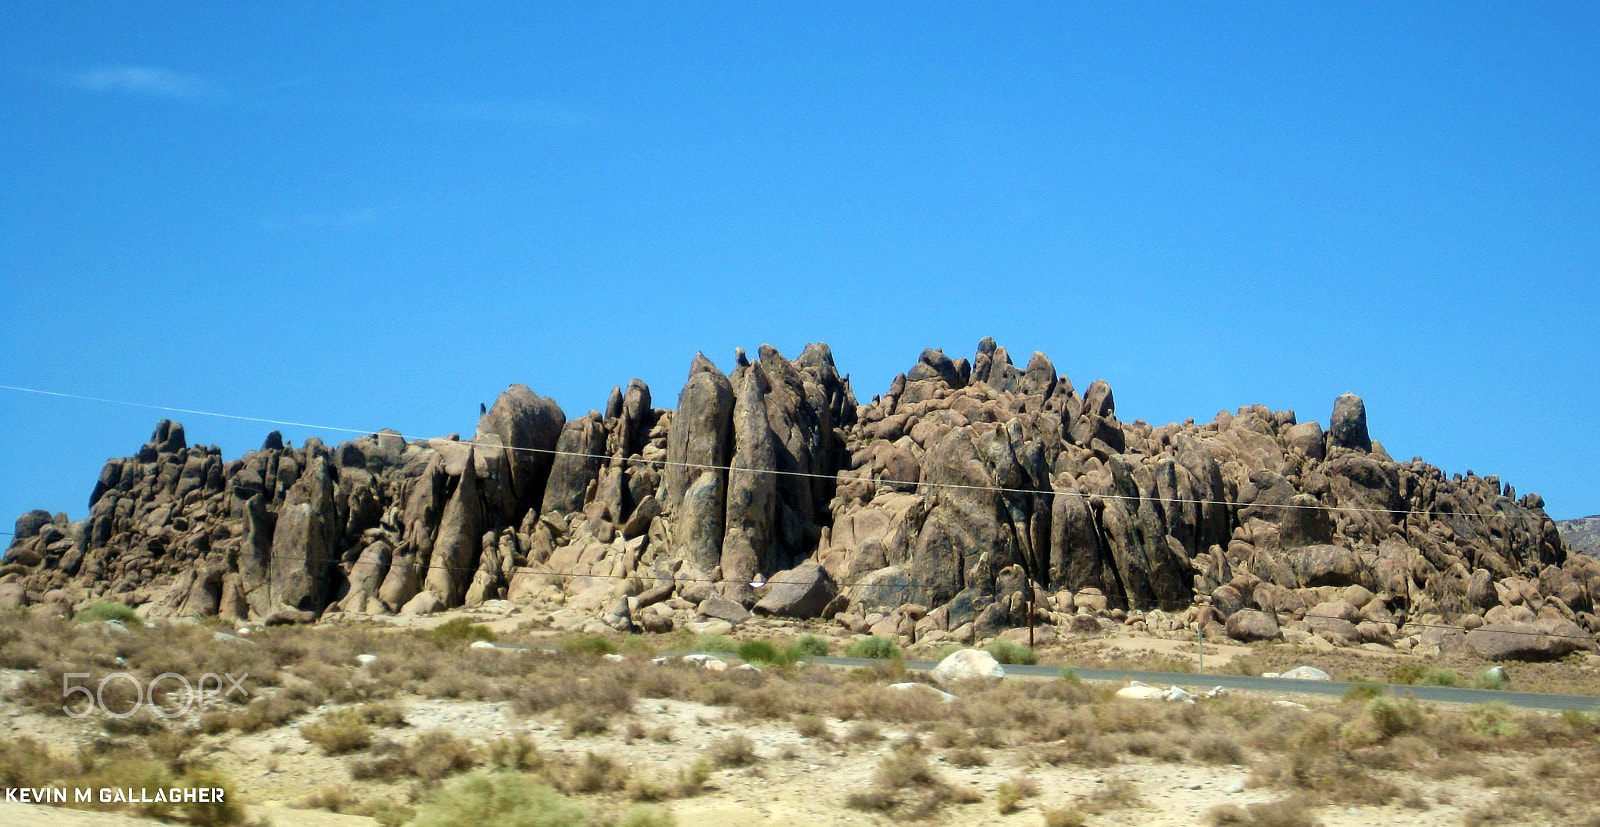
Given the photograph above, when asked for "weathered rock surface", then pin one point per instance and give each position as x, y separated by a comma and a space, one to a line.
968, 665
966, 496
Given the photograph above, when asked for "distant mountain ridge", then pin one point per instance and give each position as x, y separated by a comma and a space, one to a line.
1582, 535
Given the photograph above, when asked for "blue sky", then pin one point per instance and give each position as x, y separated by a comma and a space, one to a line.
379, 217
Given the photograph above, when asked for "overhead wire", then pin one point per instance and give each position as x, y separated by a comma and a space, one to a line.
732, 468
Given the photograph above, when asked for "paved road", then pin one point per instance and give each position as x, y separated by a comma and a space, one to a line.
1442, 694
1438, 694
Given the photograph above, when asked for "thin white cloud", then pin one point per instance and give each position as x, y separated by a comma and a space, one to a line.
141, 80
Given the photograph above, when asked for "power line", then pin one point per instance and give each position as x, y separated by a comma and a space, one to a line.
731, 468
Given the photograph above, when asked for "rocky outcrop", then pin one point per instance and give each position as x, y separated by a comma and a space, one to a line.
967, 496
1582, 535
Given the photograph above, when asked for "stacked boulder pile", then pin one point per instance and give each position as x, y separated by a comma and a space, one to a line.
969, 495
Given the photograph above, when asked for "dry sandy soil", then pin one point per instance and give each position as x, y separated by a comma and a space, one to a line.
795, 780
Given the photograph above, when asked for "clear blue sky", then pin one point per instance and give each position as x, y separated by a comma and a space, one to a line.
381, 216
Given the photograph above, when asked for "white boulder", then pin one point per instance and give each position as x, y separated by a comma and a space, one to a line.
966, 665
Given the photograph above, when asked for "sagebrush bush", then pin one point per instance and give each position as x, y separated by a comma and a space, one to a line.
591, 645
1012, 653
734, 751
501, 799
809, 646
716, 643
107, 610
760, 651
458, 631
339, 732
873, 647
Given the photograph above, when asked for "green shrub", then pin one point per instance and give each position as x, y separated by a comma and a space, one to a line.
1071, 676
1391, 717
1012, 653
760, 651
1064, 817
456, 632
873, 647
589, 645
1492, 720
716, 643
808, 646
1495, 679
108, 610
1363, 692
339, 732
502, 799
734, 751
1418, 674
224, 811
647, 817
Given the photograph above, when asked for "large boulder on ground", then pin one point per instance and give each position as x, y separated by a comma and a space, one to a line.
803, 591
967, 665
1543, 640
1249, 624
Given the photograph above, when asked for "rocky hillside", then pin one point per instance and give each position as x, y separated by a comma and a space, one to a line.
1582, 535
932, 509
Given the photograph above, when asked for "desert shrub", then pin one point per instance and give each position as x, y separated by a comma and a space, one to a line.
967, 757
1422, 675
1070, 677
1012, 653
1217, 748
582, 720
436, 755
456, 632
691, 779
863, 732
1115, 794
904, 782
760, 651
734, 751
589, 645
339, 732
1495, 679
809, 646
225, 811
516, 753
1363, 692
1391, 717
873, 647
716, 643
107, 610
647, 817
1287, 812
812, 726
1492, 721
1064, 817
382, 714
503, 799
1009, 796
596, 773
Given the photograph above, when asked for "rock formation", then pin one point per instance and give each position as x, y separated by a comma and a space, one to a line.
968, 495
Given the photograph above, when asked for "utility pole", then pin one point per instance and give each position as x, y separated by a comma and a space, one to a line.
1030, 613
